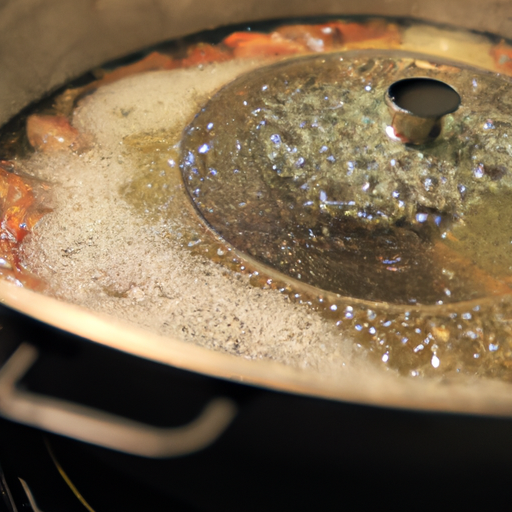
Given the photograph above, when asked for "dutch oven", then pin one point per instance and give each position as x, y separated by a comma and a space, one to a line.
140, 422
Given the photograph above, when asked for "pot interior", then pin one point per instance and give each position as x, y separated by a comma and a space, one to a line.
71, 41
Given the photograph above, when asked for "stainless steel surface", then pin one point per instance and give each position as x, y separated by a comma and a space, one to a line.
44, 44
411, 127
103, 429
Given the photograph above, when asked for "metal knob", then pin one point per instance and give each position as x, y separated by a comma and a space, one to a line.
418, 106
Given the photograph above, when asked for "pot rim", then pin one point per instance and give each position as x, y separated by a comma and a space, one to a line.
355, 383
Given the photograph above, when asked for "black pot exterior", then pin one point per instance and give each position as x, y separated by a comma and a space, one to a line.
281, 451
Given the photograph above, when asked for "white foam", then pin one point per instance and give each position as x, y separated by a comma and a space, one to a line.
97, 252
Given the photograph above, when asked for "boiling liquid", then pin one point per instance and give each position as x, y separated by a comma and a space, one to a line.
124, 237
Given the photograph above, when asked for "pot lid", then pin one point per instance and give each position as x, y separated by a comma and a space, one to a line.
363, 174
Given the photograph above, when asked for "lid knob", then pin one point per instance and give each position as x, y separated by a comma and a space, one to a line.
417, 106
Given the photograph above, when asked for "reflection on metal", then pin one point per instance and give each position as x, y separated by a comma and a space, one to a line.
104, 429
418, 106
30, 496
5, 493
66, 478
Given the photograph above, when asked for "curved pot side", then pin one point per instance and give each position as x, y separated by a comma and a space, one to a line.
45, 44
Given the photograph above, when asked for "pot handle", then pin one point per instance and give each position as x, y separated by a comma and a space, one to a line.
101, 428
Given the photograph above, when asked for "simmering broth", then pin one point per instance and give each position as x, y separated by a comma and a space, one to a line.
124, 237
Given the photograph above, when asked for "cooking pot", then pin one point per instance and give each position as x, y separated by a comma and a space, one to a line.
92, 379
